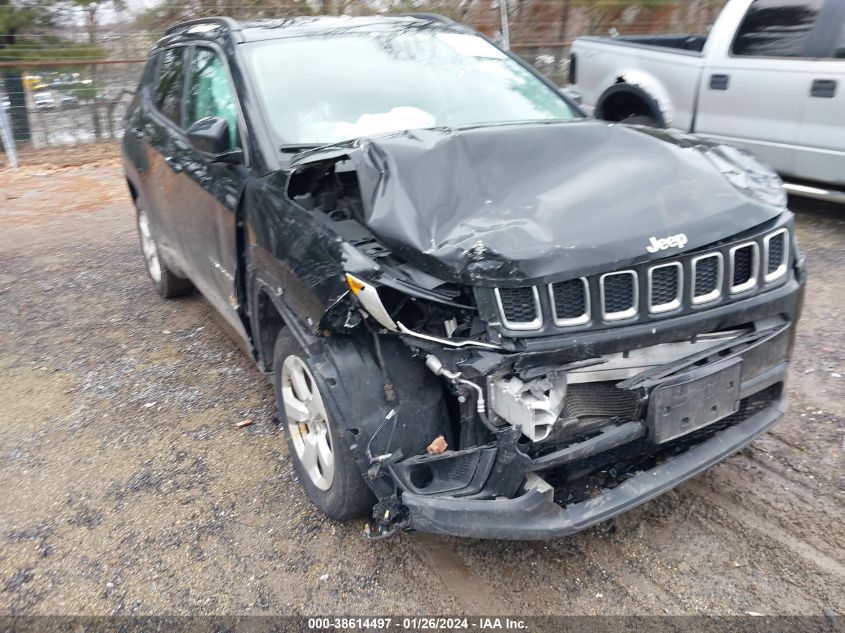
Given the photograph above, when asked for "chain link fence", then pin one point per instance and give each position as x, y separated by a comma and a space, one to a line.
67, 108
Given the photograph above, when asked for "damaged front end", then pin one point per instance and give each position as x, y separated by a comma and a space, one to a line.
545, 443
530, 389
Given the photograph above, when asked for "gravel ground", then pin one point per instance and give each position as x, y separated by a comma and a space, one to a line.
127, 488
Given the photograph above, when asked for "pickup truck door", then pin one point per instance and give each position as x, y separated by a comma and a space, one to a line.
754, 85
822, 134
209, 192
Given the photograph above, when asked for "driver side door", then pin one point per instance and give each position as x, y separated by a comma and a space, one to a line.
210, 191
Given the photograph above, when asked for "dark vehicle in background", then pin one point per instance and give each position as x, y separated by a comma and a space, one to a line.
483, 313
68, 101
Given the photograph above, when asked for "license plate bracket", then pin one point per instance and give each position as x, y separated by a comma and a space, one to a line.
694, 400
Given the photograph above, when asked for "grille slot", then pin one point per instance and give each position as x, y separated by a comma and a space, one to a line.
776, 255
619, 295
744, 266
570, 302
706, 278
664, 287
519, 308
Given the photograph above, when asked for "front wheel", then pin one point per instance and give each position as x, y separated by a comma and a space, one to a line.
322, 460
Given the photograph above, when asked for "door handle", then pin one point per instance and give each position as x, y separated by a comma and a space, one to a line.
137, 132
719, 82
174, 164
823, 88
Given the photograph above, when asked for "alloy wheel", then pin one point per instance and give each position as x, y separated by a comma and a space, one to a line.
149, 247
307, 422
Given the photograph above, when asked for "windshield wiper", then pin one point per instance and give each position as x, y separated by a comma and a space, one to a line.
296, 148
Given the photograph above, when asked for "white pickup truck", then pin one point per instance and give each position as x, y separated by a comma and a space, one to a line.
769, 76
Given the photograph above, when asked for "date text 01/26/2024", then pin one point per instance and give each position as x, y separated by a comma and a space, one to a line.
417, 624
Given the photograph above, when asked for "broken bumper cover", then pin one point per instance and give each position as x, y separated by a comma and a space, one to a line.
535, 516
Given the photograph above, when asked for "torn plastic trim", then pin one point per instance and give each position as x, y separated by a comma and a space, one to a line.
534, 515
767, 331
498, 467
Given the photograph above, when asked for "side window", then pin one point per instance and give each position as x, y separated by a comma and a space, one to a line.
168, 93
209, 92
776, 28
839, 50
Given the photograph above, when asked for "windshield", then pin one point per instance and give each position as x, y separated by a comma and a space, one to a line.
330, 88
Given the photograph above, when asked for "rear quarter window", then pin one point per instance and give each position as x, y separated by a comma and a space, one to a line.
776, 28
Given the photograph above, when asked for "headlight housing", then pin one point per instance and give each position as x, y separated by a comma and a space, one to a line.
372, 304
745, 172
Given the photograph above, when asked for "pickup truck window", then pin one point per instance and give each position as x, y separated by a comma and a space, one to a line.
776, 28
839, 51
169, 86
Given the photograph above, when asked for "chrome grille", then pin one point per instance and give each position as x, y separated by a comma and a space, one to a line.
706, 278
776, 251
665, 284
570, 301
519, 307
687, 282
619, 295
744, 266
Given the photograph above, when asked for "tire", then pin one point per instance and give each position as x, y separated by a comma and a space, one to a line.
640, 119
167, 283
340, 491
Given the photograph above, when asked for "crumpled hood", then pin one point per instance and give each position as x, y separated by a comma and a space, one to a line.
542, 201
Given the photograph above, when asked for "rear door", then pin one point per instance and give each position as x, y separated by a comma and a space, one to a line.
162, 132
209, 191
753, 91
822, 135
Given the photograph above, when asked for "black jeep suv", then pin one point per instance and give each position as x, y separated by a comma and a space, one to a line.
484, 313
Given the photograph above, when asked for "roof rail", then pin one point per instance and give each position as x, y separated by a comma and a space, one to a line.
433, 17
229, 23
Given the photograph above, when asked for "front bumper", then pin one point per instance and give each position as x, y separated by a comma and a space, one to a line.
535, 516
489, 491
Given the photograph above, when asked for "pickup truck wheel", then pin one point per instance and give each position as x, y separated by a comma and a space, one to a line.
640, 119
166, 282
322, 460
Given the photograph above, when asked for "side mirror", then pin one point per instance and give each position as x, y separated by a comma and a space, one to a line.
210, 135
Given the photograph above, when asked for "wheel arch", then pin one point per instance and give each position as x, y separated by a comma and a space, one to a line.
266, 323
133, 190
635, 95
267, 315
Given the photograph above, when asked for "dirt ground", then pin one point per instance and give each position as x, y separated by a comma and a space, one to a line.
127, 488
